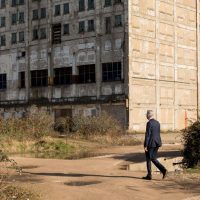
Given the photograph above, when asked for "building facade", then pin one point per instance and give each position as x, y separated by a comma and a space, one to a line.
164, 62
82, 57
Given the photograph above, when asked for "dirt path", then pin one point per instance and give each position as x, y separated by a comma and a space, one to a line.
99, 178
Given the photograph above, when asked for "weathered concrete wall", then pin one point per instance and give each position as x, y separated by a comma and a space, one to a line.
75, 49
163, 62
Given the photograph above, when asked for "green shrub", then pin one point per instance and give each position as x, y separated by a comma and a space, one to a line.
191, 139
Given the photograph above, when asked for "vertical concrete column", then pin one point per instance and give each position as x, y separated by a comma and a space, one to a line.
175, 65
28, 53
198, 51
157, 60
50, 49
98, 70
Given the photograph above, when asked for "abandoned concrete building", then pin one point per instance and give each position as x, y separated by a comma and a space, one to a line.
82, 57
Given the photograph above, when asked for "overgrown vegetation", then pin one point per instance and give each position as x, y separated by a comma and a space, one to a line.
191, 140
34, 126
14, 192
33, 134
7, 191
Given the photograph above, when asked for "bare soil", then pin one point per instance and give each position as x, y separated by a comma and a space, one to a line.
104, 177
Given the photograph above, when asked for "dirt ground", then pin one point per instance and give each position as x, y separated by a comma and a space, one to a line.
103, 177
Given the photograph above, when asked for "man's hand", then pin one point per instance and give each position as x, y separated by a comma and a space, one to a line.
145, 148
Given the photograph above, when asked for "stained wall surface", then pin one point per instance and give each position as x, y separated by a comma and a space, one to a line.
163, 62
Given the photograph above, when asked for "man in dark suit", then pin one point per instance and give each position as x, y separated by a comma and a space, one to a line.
152, 143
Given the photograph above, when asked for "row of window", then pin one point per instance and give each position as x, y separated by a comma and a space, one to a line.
41, 33
82, 7
15, 37
63, 76
13, 3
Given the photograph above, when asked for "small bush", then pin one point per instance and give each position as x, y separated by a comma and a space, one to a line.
191, 139
103, 124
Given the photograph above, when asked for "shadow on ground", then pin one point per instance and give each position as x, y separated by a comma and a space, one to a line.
140, 157
79, 175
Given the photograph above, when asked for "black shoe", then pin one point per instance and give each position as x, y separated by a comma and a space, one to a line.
164, 174
147, 177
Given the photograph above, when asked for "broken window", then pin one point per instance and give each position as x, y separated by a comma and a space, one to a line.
81, 5
87, 73
111, 71
56, 34
3, 81
13, 38
117, 1
66, 29
43, 34
108, 3
21, 17
3, 40
21, 2
90, 4
43, 13
14, 19
14, 3
21, 36
57, 10
2, 4
66, 8
81, 27
22, 79
2, 21
39, 78
118, 20
91, 25
35, 14
35, 34
62, 76
108, 24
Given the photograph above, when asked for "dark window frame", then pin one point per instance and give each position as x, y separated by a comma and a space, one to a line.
21, 17
39, 78
14, 38
43, 13
3, 22
87, 73
3, 81
2, 4
118, 21
35, 35
65, 8
111, 71
3, 40
57, 10
21, 36
107, 3
43, 33
91, 4
91, 25
81, 28
65, 29
14, 19
81, 5
22, 80
63, 76
108, 25
35, 14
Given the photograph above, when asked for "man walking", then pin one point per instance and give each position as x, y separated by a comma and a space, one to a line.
152, 143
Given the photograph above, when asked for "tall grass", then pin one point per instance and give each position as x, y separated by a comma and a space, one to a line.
34, 126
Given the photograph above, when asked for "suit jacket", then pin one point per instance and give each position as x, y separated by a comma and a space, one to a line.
152, 135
